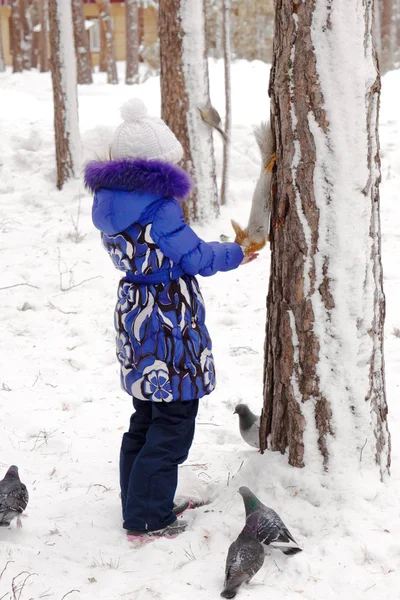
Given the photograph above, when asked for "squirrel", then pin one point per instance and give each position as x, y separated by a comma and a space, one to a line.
255, 235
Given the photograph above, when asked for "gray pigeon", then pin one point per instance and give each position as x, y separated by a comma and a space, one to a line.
271, 531
13, 497
245, 558
249, 425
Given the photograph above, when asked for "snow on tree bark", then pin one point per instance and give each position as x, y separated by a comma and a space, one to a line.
43, 49
132, 41
82, 50
108, 39
63, 72
17, 36
324, 386
184, 89
27, 34
226, 7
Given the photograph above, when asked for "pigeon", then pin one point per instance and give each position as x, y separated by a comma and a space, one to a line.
13, 497
249, 425
271, 531
245, 558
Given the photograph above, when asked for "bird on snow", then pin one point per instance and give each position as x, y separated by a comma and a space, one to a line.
211, 117
249, 425
13, 497
271, 531
245, 558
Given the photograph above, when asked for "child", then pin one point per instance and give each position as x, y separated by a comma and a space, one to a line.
163, 345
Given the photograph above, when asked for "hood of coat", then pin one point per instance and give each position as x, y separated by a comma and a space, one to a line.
154, 177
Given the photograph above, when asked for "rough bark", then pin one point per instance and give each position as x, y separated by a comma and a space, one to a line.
309, 290
43, 46
82, 50
179, 108
2, 63
108, 39
17, 36
132, 41
63, 73
226, 6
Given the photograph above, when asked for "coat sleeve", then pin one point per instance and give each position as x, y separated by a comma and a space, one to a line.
180, 243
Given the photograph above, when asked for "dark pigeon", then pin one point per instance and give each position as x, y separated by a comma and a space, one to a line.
245, 558
271, 531
13, 497
249, 425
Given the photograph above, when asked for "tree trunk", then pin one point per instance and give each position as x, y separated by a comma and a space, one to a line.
2, 63
35, 12
185, 88
324, 387
226, 6
17, 36
63, 73
27, 34
107, 28
132, 41
386, 57
43, 48
103, 48
81, 39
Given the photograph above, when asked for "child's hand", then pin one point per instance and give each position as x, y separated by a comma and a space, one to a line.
249, 258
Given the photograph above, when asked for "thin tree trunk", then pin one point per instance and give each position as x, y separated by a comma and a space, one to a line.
43, 42
35, 16
63, 73
2, 63
226, 6
27, 34
184, 89
82, 50
17, 36
386, 57
103, 48
324, 388
132, 41
106, 22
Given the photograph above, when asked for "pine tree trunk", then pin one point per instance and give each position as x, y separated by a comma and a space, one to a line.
106, 24
185, 88
17, 36
43, 47
324, 387
63, 73
132, 41
2, 63
82, 50
103, 48
226, 6
386, 57
35, 38
27, 34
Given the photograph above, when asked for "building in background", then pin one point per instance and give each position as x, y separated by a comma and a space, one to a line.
147, 24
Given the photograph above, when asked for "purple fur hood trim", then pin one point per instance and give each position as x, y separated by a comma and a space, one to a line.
141, 175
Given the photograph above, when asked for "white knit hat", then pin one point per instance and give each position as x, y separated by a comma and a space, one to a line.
141, 136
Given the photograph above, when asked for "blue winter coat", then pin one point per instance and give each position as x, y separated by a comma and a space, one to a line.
163, 344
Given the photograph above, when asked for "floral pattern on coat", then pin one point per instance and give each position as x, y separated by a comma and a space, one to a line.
163, 345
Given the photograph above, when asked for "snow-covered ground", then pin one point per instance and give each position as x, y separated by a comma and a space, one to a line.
63, 414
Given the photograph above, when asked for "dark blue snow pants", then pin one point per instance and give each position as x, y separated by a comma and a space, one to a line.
159, 438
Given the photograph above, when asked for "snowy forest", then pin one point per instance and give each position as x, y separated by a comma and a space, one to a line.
239, 162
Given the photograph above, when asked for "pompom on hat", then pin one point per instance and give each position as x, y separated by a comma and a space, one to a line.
142, 136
